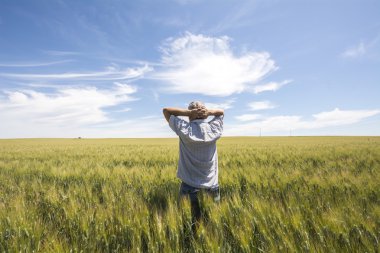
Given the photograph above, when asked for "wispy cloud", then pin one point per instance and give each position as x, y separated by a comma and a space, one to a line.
124, 110
356, 51
61, 53
207, 65
110, 73
134, 128
284, 123
271, 86
361, 49
156, 95
248, 117
31, 64
337, 116
239, 16
225, 105
261, 105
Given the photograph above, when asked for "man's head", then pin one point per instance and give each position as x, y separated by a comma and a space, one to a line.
195, 105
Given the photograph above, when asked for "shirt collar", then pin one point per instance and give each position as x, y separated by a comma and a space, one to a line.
199, 120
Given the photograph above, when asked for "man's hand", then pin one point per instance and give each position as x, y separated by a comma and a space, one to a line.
199, 113
215, 112
176, 112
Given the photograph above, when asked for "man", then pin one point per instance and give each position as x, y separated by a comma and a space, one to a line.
198, 157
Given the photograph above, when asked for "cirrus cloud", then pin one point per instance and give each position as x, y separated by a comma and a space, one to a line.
357, 51
110, 73
225, 105
271, 86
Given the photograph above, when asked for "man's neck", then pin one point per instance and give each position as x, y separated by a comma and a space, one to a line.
198, 120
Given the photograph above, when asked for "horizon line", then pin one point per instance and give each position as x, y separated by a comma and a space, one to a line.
241, 136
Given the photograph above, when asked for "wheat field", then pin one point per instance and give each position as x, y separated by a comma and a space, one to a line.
278, 194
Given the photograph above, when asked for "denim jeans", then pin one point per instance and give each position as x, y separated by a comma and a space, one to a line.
193, 193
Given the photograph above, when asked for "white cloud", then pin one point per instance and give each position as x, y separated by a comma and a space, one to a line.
207, 65
110, 73
271, 86
124, 110
285, 123
356, 51
156, 95
337, 116
73, 112
261, 105
136, 128
226, 105
66, 107
364, 48
248, 117
124, 88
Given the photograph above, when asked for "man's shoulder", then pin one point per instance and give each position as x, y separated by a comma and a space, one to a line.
217, 120
177, 124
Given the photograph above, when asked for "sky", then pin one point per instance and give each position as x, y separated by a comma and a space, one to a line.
99, 69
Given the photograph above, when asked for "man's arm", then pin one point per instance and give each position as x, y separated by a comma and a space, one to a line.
168, 111
215, 112
201, 112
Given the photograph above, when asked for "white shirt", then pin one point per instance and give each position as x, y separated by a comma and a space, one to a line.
198, 156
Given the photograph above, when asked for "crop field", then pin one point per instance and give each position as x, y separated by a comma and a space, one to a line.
278, 194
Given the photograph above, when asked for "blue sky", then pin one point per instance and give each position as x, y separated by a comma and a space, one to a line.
106, 68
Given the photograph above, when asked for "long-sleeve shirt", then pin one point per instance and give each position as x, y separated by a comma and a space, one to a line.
198, 155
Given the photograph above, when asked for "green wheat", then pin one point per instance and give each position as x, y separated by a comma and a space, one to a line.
283, 194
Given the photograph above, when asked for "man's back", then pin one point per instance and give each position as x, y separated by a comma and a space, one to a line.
198, 159
198, 156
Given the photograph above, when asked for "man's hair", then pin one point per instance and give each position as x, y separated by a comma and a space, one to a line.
195, 104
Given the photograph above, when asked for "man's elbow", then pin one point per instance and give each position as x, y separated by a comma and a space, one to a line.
166, 113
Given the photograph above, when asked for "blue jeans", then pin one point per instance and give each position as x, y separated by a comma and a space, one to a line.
192, 192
